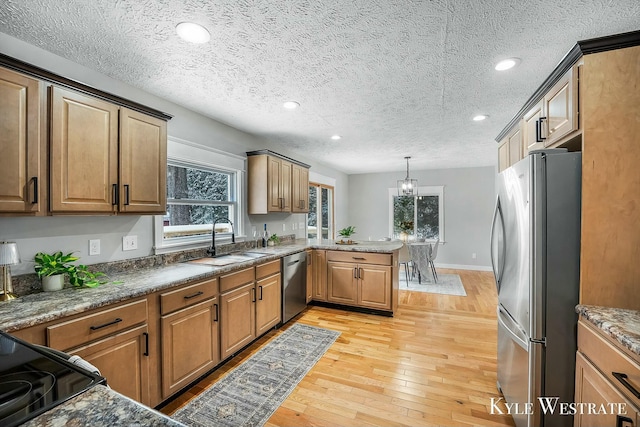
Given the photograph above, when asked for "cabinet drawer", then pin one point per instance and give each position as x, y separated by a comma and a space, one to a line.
189, 295
233, 280
267, 269
359, 257
72, 333
609, 359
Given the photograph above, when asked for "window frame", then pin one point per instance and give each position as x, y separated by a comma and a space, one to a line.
189, 154
434, 190
331, 232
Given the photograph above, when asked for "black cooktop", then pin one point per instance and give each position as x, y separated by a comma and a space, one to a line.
34, 380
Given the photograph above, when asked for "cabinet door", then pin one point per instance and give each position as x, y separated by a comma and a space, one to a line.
190, 345
84, 153
299, 189
515, 146
531, 129
268, 303
374, 288
560, 109
274, 184
123, 359
593, 388
143, 163
285, 188
342, 282
319, 267
20, 180
237, 319
503, 155
309, 276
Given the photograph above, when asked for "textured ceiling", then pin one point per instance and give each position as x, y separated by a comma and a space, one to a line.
393, 78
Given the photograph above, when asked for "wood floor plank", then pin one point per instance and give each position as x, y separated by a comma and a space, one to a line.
433, 363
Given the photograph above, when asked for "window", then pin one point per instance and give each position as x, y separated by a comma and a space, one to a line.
203, 183
320, 217
197, 195
419, 216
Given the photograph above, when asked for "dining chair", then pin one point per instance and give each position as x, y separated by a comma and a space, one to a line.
431, 256
404, 259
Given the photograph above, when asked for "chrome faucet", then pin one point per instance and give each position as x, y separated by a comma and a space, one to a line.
212, 250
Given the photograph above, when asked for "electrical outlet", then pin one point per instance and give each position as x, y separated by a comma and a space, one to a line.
94, 247
129, 243
473, 255
284, 227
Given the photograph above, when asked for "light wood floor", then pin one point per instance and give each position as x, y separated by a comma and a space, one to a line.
433, 363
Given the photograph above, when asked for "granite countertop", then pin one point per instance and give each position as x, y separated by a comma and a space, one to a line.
137, 281
621, 324
101, 407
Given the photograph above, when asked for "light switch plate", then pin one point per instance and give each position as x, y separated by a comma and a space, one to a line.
94, 247
129, 243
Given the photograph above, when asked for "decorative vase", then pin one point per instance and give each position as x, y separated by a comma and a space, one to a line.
53, 283
271, 243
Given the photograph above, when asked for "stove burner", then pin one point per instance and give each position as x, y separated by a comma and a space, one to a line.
18, 390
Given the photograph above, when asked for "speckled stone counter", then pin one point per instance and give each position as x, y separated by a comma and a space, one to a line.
621, 324
98, 407
138, 279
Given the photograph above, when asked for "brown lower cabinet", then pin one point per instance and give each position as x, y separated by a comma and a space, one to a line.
268, 303
608, 378
190, 346
237, 319
123, 360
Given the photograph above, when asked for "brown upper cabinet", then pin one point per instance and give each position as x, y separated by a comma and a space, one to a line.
105, 158
276, 183
22, 161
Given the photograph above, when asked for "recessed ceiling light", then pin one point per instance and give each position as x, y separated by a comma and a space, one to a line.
507, 64
336, 137
290, 105
480, 117
192, 32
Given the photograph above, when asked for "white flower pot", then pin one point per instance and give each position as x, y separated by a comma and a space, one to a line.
53, 283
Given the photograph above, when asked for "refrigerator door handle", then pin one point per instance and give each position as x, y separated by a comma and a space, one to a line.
502, 316
497, 215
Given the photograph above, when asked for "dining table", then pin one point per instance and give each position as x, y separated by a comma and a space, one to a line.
419, 253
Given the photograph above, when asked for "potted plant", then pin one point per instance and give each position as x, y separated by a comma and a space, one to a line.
273, 240
52, 268
346, 233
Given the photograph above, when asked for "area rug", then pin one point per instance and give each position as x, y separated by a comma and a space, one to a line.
448, 284
249, 394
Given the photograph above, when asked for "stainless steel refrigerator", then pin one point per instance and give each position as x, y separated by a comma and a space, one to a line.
535, 253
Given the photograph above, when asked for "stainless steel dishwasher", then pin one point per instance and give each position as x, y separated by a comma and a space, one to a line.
294, 285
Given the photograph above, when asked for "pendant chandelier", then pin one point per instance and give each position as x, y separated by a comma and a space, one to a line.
407, 186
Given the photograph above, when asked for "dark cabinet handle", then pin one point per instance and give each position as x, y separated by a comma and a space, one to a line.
95, 328
538, 131
35, 190
542, 138
215, 307
359, 258
623, 379
197, 294
253, 294
360, 273
114, 194
260, 292
126, 194
621, 419
146, 343
355, 272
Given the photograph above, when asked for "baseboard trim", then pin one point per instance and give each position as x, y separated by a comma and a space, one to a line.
465, 267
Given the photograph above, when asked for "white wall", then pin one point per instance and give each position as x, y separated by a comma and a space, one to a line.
73, 233
469, 198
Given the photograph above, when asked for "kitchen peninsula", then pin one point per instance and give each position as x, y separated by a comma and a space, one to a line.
153, 291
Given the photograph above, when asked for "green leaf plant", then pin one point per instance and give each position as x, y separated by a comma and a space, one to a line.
59, 263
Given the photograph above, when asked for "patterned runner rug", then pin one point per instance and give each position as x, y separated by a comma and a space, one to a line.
249, 394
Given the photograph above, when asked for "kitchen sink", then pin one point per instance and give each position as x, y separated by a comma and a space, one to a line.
227, 259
